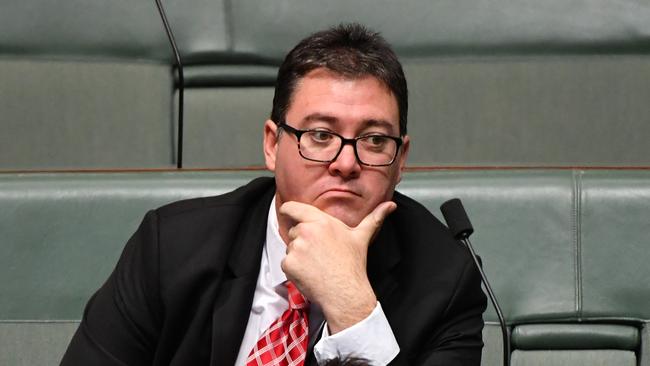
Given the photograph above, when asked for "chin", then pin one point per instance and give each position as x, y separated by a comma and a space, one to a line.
349, 209
349, 216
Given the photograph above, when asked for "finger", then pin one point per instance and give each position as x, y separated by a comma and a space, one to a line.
300, 212
292, 245
288, 247
292, 233
372, 222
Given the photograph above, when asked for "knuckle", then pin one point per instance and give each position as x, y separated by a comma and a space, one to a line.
289, 265
300, 230
292, 233
297, 245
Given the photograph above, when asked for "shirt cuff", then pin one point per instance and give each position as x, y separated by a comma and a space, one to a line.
371, 339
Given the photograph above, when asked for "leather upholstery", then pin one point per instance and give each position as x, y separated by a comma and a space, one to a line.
574, 358
615, 231
575, 336
210, 31
79, 114
504, 83
545, 237
450, 27
109, 30
527, 215
54, 263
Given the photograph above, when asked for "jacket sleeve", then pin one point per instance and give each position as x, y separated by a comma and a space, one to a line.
121, 320
457, 341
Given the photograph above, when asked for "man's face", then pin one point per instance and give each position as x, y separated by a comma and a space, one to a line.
350, 107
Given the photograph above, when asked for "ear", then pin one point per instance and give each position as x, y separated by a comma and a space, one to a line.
270, 144
403, 155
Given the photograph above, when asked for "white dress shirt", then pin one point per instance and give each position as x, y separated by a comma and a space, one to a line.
371, 338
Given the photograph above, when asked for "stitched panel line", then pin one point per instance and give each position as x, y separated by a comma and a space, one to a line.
577, 222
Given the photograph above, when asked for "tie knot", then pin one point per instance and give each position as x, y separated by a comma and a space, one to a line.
296, 300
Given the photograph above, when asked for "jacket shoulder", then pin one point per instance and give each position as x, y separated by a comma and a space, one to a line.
245, 195
410, 210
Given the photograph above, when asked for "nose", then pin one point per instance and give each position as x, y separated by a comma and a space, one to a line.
346, 164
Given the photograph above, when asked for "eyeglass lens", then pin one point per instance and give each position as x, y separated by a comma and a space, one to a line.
325, 146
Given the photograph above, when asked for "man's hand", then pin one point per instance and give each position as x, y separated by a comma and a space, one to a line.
326, 260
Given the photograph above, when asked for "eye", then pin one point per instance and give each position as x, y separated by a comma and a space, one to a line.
376, 140
320, 136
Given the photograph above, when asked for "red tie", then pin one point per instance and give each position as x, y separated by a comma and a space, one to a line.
285, 342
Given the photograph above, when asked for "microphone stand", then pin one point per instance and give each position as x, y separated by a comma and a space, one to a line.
460, 226
181, 84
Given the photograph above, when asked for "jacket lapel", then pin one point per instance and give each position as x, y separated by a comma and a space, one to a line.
383, 255
233, 303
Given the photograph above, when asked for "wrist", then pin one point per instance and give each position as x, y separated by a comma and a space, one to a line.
349, 311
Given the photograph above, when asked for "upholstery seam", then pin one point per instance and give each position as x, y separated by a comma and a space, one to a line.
577, 217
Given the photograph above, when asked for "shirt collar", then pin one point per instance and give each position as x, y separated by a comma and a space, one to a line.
276, 249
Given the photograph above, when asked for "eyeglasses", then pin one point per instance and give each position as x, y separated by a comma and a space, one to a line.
373, 149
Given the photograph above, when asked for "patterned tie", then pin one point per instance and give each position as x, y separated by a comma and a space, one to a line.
285, 342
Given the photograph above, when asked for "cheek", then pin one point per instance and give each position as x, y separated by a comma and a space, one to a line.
383, 183
296, 182
286, 164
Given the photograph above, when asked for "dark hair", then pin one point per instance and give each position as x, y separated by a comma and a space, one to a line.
350, 50
348, 361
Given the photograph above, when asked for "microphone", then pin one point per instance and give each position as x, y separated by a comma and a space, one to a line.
461, 228
181, 83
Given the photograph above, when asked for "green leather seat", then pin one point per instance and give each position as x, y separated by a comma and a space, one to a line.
564, 250
61, 237
565, 253
90, 85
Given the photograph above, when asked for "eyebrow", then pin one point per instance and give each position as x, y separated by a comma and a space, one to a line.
321, 117
368, 123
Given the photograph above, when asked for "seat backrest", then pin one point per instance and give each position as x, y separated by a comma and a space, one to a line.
506, 83
565, 252
89, 84
563, 249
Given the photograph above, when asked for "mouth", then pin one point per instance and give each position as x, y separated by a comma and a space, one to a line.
341, 192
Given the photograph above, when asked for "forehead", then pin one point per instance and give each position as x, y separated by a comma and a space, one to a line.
322, 95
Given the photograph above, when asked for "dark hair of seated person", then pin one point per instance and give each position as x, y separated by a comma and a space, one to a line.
347, 361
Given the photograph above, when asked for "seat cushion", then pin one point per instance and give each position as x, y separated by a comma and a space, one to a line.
574, 358
575, 336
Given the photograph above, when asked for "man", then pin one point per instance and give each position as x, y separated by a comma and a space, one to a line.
308, 266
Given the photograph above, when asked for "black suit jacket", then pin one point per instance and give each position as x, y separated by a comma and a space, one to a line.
182, 290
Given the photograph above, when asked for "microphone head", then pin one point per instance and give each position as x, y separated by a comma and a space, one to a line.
456, 218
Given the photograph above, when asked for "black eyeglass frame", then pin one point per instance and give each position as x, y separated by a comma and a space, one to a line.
344, 141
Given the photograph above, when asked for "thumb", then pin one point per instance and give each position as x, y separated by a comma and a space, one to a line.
372, 222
